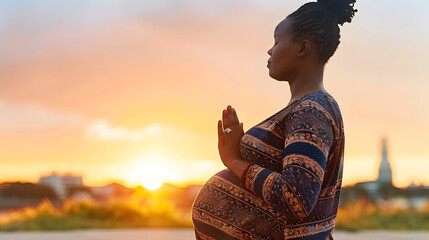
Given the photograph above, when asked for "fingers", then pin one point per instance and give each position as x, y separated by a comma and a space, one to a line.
231, 120
220, 132
234, 115
242, 129
231, 117
225, 119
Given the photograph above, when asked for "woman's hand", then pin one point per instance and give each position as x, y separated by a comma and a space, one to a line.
228, 143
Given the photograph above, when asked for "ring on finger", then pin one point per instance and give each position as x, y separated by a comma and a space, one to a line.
227, 130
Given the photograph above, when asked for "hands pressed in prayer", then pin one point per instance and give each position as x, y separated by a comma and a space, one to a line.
228, 143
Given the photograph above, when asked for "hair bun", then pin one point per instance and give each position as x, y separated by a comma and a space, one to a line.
341, 8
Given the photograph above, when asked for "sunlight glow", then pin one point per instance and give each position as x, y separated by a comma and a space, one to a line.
153, 169
152, 184
151, 173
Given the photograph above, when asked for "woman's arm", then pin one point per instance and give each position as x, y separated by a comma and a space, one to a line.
308, 139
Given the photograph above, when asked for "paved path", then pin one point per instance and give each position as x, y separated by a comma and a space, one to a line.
186, 234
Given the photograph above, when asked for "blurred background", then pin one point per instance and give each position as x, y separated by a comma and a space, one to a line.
109, 109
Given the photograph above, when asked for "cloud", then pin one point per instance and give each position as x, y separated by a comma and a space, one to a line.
186, 143
32, 117
103, 130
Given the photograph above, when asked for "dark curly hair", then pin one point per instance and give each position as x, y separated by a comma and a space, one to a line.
318, 22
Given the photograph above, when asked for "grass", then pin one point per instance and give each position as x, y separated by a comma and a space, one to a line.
158, 212
365, 215
86, 215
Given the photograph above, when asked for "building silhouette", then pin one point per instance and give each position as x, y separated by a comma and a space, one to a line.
61, 184
382, 189
384, 172
384, 181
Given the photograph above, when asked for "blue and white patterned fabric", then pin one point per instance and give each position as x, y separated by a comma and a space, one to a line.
293, 190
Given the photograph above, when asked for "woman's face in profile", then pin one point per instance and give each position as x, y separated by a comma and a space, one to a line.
282, 62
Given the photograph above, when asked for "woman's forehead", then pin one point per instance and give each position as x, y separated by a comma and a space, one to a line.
281, 27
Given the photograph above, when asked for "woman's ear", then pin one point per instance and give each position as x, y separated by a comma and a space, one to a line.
305, 48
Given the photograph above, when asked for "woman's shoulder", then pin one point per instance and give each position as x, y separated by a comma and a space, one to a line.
317, 105
321, 101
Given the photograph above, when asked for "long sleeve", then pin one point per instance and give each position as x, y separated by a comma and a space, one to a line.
309, 136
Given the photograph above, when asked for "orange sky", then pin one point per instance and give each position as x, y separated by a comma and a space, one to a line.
118, 91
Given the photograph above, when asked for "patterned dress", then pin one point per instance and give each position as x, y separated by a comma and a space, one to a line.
293, 190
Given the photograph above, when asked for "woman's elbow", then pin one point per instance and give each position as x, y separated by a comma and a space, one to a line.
294, 211
297, 209
307, 208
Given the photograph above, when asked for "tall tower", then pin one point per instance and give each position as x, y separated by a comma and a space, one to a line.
385, 172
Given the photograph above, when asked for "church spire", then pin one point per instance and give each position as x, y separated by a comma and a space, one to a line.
385, 172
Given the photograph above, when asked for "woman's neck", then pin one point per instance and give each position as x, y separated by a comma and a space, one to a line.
306, 83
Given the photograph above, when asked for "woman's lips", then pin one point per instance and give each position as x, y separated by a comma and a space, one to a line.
268, 63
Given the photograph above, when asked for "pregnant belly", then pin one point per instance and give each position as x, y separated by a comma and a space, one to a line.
222, 203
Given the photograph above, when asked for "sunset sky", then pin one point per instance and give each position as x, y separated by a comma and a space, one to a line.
131, 91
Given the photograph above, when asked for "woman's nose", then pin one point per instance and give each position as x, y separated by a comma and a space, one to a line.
269, 51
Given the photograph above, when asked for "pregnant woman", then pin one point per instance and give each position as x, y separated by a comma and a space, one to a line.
283, 176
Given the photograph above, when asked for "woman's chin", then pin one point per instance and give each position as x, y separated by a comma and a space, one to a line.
273, 76
276, 77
